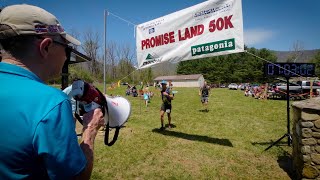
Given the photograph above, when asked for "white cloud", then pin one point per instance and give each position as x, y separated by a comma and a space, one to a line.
257, 36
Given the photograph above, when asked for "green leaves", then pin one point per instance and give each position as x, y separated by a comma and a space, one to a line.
239, 67
316, 60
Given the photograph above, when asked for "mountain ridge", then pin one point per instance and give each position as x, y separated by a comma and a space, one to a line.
304, 56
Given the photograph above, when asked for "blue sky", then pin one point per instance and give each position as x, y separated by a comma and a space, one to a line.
271, 24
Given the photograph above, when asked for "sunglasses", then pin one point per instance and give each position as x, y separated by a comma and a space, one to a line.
71, 53
68, 49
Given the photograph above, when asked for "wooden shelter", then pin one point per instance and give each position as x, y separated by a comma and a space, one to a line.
74, 57
191, 80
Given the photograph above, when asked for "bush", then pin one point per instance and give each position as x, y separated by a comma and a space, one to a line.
76, 72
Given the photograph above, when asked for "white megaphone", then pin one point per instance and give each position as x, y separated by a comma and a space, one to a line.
118, 111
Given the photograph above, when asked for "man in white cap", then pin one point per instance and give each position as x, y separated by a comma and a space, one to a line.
38, 138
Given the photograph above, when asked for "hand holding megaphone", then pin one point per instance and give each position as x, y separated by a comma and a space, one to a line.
116, 110
93, 119
89, 96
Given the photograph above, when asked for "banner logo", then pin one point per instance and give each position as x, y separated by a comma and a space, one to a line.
213, 47
151, 30
151, 59
209, 12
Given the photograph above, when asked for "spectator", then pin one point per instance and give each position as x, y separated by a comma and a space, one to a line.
134, 91
146, 97
38, 138
128, 90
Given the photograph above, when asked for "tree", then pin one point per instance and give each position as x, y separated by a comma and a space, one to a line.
125, 65
77, 72
296, 52
316, 60
76, 34
111, 52
124, 69
120, 62
239, 67
90, 46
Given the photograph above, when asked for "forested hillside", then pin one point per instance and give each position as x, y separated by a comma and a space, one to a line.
239, 67
244, 67
302, 56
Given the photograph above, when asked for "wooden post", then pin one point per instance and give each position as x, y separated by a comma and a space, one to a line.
65, 75
311, 90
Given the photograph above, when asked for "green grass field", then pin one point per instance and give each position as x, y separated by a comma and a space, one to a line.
228, 142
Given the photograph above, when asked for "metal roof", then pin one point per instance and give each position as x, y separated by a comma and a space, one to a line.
179, 77
78, 57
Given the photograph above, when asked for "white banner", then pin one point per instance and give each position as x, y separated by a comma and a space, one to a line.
211, 28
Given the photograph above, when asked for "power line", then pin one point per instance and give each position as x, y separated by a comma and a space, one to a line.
129, 22
106, 13
274, 64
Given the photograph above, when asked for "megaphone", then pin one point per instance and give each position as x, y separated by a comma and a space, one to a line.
119, 110
116, 110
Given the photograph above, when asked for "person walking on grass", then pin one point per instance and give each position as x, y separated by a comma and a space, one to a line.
146, 97
167, 97
204, 93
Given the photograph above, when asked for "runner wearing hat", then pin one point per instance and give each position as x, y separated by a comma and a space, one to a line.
166, 106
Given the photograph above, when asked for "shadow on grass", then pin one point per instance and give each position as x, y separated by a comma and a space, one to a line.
269, 143
286, 163
284, 99
273, 143
204, 110
224, 142
172, 125
285, 160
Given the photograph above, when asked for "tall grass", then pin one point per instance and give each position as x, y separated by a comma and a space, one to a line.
227, 142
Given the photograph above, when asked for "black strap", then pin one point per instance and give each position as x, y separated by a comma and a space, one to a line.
76, 115
106, 135
105, 111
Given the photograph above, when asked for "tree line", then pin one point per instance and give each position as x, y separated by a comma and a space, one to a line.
236, 68
121, 64
239, 67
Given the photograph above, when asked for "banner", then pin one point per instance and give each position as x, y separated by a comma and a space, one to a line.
211, 28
